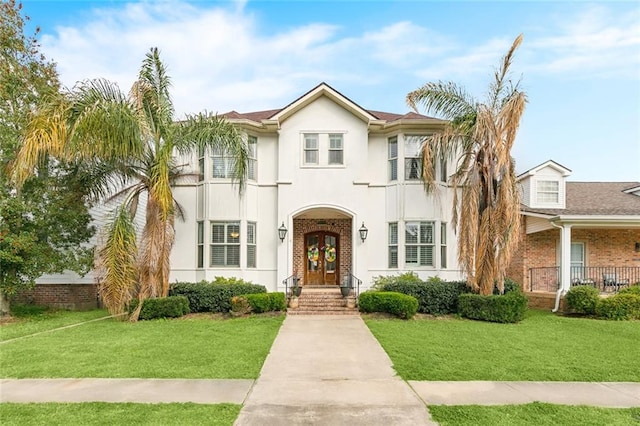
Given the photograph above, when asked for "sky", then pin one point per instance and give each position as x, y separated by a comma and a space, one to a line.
579, 63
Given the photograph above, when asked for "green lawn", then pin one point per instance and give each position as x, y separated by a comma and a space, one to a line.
201, 348
535, 414
542, 347
25, 323
100, 413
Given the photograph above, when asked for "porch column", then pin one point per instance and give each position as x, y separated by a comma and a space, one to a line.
565, 258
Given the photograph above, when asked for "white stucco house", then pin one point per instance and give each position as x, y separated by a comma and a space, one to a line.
323, 169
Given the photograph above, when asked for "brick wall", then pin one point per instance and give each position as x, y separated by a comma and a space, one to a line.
342, 227
61, 296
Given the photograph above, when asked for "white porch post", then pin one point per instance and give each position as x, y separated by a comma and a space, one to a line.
565, 258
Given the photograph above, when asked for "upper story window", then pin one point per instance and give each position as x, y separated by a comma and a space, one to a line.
200, 164
252, 143
311, 148
393, 157
548, 191
222, 164
336, 149
443, 170
412, 157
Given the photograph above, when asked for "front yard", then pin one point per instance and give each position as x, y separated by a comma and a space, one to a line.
198, 348
543, 347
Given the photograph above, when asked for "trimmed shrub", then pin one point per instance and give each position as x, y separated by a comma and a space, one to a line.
214, 296
161, 307
435, 297
507, 308
634, 289
622, 306
398, 304
266, 302
408, 277
509, 286
582, 299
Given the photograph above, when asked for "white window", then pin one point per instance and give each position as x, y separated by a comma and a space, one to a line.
548, 191
393, 158
336, 150
412, 157
251, 245
443, 170
225, 244
577, 261
419, 245
222, 164
393, 245
200, 164
443, 245
200, 257
311, 148
252, 143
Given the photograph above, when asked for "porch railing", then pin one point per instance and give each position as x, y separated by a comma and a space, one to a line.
354, 283
289, 282
604, 278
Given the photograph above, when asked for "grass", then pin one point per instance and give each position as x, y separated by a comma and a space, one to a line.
199, 348
535, 414
29, 320
100, 413
540, 348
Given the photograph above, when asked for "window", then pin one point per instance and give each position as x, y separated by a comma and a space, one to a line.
311, 148
577, 261
336, 153
200, 164
252, 143
419, 243
225, 244
393, 158
251, 245
548, 191
393, 245
222, 164
200, 258
443, 170
443, 245
412, 157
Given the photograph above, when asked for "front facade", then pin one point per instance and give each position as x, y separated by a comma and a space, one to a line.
323, 173
577, 233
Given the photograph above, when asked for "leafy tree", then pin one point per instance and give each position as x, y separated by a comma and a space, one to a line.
44, 224
132, 141
479, 137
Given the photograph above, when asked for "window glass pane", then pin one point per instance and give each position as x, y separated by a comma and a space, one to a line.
252, 144
393, 147
251, 233
200, 169
411, 254
393, 257
233, 255
411, 233
426, 255
412, 145
217, 233
200, 256
252, 169
251, 256
426, 233
219, 167
217, 256
233, 233
200, 232
311, 141
443, 257
335, 157
393, 169
443, 233
443, 170
311, 157
412, 168
393, 233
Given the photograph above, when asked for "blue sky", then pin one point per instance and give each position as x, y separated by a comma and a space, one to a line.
579, 63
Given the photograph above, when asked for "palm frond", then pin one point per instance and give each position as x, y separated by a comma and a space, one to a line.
445, 98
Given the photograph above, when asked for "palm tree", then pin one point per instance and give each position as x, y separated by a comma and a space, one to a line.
479, 137
131, 141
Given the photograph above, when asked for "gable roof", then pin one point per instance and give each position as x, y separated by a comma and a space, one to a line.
323, 89
549, 163
595, 199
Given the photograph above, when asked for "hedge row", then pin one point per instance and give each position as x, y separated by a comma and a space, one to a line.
435, 297
266, 302
398, 304
507, 308
214, 296
161, 307
586, 300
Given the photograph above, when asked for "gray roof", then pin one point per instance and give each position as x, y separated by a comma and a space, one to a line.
596, 199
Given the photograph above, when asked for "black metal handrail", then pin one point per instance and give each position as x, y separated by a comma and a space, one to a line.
604, 278
353, 283
290, 281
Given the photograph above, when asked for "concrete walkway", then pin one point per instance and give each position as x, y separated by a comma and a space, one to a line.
330, 370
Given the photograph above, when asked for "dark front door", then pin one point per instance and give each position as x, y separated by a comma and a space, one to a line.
322, 258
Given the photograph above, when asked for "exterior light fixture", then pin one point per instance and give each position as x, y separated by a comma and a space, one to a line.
282, 232
363, 232
234, 234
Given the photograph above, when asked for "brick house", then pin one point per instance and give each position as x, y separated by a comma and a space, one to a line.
576, 232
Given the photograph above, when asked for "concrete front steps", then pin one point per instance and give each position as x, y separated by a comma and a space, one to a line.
322, 300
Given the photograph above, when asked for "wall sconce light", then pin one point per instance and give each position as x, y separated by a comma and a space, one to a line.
363, 232
282, 232
234, 234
